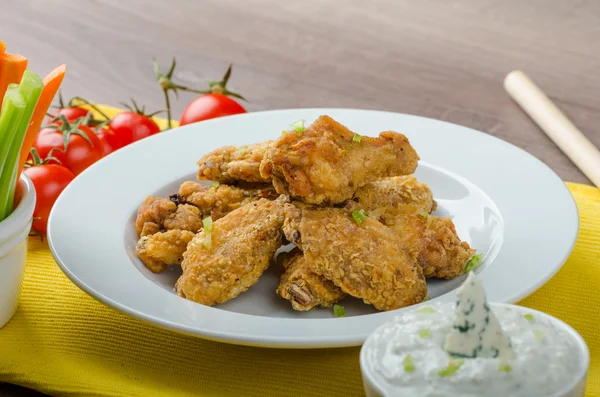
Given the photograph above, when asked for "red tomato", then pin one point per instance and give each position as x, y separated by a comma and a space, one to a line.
111, 142
71, 113
132, 126
49, 181
209, 106
79, 154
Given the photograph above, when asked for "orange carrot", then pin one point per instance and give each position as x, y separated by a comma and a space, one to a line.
12, 67
52, 83
2, 47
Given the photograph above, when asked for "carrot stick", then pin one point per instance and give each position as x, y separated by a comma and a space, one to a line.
52, 83
12, 67
2, 47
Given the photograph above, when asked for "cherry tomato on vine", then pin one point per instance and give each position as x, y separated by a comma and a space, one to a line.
210, 106
110, 141
133, 124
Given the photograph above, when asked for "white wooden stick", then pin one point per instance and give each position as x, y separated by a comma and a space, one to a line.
555, 124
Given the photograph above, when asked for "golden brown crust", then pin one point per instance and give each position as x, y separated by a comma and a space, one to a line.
159, 250
365, 260
242, 245
221, 200
153, 210
324, 165
186, 217
302, 287
231, 163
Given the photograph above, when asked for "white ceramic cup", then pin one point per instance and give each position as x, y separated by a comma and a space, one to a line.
376, 387
14, 232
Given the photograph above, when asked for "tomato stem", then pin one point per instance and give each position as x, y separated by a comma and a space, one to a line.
94, 107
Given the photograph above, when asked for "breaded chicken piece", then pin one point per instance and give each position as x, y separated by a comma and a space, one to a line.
365, 260
433, 242
389, 193
159, 250
185, 217
302, 287
239, 250
220, 200
154, 210
231, 163
325, 164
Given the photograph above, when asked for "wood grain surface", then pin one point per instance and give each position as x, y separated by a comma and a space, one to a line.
435, 58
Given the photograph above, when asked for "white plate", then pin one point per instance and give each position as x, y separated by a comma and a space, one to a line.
504, 202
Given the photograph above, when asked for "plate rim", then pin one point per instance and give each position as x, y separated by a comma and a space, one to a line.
349, 339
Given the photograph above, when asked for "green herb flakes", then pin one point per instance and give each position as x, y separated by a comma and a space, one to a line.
424, 333
409, 366
356, 138
298, 126
339, 311
473, 263
528, 317
214, 184
426, 310
426, 298
359, 216
453, 366
207, 227
504, 367
424, 214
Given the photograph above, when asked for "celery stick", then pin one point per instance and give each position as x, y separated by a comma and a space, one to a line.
30, 88
13, 108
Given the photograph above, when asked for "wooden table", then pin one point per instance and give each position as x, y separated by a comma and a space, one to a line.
439, 59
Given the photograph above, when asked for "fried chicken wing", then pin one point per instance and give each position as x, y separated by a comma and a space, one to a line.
231, 163
434, 243
325, 164
159, 250
388, 193
154, 210
239, 250
185, 217
365, 260
302, 287
220, 200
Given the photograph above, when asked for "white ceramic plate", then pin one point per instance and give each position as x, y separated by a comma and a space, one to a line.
504, 202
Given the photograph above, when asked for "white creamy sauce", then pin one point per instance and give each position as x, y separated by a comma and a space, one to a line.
545, 357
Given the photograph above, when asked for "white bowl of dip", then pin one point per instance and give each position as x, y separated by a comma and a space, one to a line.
551, 359
14, 232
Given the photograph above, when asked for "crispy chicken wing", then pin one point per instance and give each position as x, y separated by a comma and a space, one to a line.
365, 260
231, 163
325, 164
185, 217
302, 287
154, 210
159, 250
239, 250
221, 200
434, 243
388, 193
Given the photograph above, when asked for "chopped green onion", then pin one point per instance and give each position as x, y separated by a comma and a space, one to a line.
409, 366
356, 138
452, 367
359, 216
338, 311
426, 298
426, 310
298, 126
243, 149
504, 367
207, 227
539, 335
17, 108
473, 263
528, 317
283, 132
424, 333
214, 184
424, 214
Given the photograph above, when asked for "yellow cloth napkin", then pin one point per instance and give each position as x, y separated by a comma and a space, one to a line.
63, 342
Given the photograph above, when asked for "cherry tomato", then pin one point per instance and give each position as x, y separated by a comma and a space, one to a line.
71, 113
132, 126
209, 106
111, 142
49, 181
79, 153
